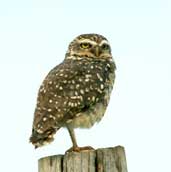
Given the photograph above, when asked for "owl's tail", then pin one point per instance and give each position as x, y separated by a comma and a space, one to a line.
41, 139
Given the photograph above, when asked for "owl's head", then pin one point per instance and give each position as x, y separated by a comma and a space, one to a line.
89, 46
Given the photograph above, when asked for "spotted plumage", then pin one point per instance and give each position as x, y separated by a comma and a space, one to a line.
75, 93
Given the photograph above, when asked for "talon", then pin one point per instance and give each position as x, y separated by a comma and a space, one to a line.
79, 149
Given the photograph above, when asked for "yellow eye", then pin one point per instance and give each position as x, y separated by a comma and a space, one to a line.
85, 45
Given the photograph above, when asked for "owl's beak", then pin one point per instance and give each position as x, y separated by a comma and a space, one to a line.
97, 51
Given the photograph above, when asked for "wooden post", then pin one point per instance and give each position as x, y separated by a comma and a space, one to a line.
100, 160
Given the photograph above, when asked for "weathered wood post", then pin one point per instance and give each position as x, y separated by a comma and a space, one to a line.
100, 160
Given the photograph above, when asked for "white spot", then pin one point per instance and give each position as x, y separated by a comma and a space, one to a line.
44, 119
50, 82
92, 67
102, 86
65, 102
49, 110
55, 95
99, 77
93, 98
50, 136
82, 91
56, 102
50, 101
76, 93
41, 89
87, 79
61, 74
59, 116
98, 67
87, 90
43, 108
108, 65
78, 114
59, 110
65, 81
61, 88
39, 131
68, 121
38, 108
57, 86
74, 97
81, 97
80, 79
65, 75
52, 117
99, 90
45, 143
97, 99
73, 82
91, 87
77, 86
88, 76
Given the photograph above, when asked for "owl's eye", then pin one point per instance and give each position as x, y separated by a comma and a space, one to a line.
105, 47
85, 45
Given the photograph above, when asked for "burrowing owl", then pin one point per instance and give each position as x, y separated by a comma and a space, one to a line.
75, 93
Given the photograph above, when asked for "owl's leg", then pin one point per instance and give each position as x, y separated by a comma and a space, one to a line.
75, 147
73, 138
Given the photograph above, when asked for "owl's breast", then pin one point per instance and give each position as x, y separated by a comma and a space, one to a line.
96, 111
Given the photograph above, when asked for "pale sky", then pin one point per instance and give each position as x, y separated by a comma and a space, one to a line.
33, 39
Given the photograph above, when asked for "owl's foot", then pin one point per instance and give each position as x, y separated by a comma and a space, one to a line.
79, 149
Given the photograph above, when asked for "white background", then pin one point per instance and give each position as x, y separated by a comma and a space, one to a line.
33, 39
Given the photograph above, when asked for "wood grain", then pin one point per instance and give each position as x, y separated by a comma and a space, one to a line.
100, 160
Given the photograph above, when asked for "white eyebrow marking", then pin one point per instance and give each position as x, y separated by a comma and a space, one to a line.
104, 42
87, 41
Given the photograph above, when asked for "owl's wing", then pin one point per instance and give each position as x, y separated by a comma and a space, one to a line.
68, 89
